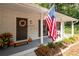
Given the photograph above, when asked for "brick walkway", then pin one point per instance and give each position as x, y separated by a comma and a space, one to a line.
73, 51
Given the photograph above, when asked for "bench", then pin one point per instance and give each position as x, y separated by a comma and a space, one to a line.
22, 42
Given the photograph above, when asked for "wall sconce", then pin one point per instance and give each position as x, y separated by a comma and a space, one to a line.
30, 21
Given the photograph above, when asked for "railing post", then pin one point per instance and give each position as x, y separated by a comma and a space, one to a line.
41, 28
62, 30
72, 28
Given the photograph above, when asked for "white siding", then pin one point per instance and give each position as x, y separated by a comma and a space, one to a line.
8, 22
0, 20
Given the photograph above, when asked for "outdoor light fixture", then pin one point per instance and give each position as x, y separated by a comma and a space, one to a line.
30, 21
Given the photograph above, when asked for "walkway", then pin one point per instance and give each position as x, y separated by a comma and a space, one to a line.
13, 50
73, 51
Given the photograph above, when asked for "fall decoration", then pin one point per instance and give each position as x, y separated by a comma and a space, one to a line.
29, 39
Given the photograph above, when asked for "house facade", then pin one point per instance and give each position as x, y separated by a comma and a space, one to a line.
26, 20
21, 20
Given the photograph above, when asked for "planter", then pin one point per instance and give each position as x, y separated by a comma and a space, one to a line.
5, 39
0, 44
5, 46
30, 40
11, 44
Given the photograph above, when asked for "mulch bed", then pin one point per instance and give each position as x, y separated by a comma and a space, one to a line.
46, 51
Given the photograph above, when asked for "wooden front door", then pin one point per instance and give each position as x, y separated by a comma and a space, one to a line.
21, 29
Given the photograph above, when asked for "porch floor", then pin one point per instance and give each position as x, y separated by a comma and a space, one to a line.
12, 50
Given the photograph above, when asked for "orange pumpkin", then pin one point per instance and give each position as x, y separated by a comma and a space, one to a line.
30, 40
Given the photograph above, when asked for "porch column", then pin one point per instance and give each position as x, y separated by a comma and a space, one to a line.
72, 28
62, 30
41, 28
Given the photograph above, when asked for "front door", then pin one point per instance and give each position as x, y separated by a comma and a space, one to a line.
21, 29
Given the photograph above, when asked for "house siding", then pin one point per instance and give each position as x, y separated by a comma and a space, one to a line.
8, 22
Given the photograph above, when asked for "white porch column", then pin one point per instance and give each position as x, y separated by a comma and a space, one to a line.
62, 30
72, 28
41, 28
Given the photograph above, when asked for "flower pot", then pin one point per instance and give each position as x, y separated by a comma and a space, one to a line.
0, 44
30, 40
5, 46
11, 44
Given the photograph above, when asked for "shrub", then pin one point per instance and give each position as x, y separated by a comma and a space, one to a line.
7, 35
69, 40
54, 46
60, 43
44, 51
51, 45
47, 50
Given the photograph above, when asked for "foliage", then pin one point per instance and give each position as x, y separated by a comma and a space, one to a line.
69, 40
47, 50
68, 28
54, 48
46, 5
51, 45
5, 38
70, 9
44, 51
60, 44
76, 28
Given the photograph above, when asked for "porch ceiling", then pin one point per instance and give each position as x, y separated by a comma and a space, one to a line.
64, 18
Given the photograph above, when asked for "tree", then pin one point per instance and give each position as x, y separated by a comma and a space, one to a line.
69, 9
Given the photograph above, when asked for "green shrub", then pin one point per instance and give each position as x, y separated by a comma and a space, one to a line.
51, 45
60, 43
44, 51
69, 40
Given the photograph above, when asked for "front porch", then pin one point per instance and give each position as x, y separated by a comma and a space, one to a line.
13, 50
35, 43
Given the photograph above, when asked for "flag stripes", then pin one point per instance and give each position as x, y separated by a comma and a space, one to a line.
51, 23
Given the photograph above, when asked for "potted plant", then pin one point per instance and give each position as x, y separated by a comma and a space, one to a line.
11, 42
5, 37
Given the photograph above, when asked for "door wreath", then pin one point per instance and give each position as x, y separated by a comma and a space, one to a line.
22, 23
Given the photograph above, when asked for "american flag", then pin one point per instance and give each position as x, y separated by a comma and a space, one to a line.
51, 23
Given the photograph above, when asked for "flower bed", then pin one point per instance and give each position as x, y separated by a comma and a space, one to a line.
49, 50
52, 49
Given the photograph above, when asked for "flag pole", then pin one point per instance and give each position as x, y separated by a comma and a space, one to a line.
49, 11
51, 6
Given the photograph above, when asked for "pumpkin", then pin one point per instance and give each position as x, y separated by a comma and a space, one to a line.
30, 40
